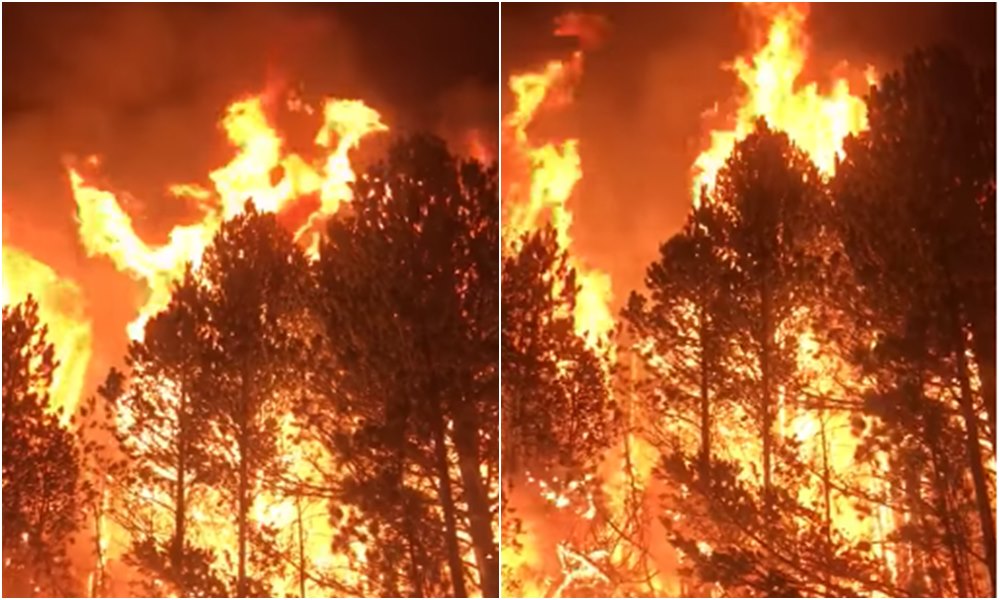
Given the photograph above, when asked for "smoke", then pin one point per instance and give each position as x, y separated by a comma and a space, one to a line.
646, 99
144, 86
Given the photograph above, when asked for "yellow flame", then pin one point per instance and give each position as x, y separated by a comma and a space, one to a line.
61, 310
106, 229
554, 169
817, 123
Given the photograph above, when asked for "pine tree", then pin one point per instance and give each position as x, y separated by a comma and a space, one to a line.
408, 298
41, 463
254, 278
557, 414
773, 246
681, 330
159, 431
917, 202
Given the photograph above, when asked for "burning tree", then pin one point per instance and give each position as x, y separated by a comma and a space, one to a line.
557, 415
555, 401
916, 197
408, 298
41, 464
160, 430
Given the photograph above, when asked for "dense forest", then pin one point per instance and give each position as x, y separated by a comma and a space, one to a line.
802, 399
356, 391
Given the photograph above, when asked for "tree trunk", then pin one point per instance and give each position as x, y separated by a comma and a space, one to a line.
480, 517
412, 547
765, 371
302, 547
975, 457
706, 428
180, 507
984, 345
946, 514
241, 515
447, 500
242, 503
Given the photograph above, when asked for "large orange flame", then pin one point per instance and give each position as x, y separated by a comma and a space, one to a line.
774, 90
553, 170
106, 228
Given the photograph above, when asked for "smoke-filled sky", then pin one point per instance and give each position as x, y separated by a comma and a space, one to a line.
637, 110
144, 87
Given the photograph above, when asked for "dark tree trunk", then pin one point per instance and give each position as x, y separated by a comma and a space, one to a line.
241, 514
976, 462
480, 518
765, 371
946, 515
242, 502
180, 498
984, 345
447, 499
968, 409
706, 425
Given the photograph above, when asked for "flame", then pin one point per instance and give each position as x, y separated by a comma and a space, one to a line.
554, 169
551, 556
61, 310
540, 560
815, 122
818, 123
105, 228
275, 181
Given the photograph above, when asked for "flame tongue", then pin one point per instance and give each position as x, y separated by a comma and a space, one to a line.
815, 122
553, 170
106, 229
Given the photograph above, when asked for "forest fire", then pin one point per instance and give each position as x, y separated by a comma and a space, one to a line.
739, 339
257, 438
106, 229
679, 493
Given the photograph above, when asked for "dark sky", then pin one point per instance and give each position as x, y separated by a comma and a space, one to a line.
637, 109
144, 86
408, 54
